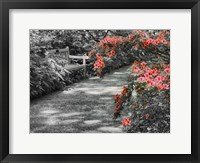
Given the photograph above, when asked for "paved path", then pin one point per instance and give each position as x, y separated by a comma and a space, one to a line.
84, 107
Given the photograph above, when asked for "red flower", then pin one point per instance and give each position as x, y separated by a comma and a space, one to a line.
160, 87
159, 79
124, 91
141, 79
157, 41
137, 70
164, 42
143, 64
98, 55
136, 47
147, 69
152, 82
130, 36
111, 53
126, 122
146, 76
99, 63
165, 86
146, 116
153, 72
116, 109
116, 97
166, 70
119, 101
144, 35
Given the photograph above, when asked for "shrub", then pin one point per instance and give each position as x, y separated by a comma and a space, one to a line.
139, 44
149, 83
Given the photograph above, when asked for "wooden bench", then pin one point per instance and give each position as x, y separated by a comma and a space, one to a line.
68, 58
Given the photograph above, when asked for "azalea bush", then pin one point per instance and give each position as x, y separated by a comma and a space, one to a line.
111, 53
118, 51
140, 104
147, 83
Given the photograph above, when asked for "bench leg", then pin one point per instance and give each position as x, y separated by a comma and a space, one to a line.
84, 72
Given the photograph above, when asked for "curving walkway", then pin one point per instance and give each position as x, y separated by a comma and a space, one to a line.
84, 107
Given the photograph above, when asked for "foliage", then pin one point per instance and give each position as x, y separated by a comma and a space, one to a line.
111, 53
120, 49
144, 87
149, 81
45, 76
143, 103
48, 73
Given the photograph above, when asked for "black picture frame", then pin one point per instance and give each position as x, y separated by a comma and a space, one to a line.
5, 5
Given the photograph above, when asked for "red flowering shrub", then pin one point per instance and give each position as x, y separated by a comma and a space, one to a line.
143, 103
114, 53
123, 49
152, 77
126, 122
147, 81
99, 64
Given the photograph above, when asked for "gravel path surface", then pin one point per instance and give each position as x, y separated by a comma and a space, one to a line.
84, 107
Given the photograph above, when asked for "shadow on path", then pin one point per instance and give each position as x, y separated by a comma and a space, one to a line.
84, 107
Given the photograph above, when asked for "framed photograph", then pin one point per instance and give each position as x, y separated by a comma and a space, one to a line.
99, 81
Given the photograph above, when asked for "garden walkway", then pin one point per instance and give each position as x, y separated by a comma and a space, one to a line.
85, 107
